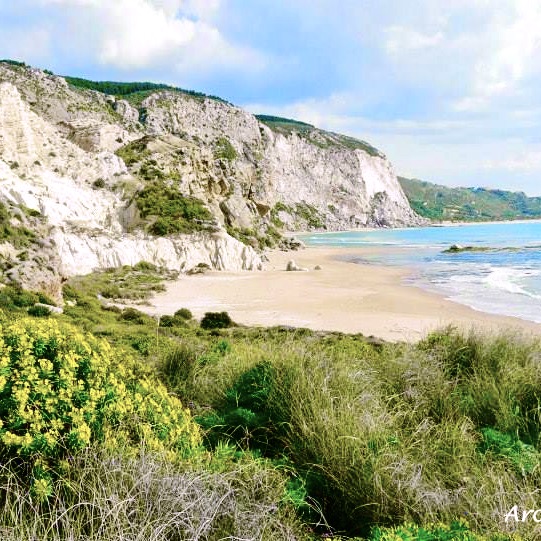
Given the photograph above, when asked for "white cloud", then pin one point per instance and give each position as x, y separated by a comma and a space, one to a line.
139, 34
209, 49
135, 33
336, 113
200, 8
400, 39
528, 161
508, 54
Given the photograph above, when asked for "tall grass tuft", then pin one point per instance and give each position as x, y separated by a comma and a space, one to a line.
394, 434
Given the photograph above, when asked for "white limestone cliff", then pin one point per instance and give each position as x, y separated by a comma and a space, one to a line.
43, 171
58, 143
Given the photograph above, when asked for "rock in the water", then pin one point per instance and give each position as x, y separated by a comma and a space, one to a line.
317, 267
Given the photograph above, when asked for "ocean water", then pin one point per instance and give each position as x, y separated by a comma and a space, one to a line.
503, 280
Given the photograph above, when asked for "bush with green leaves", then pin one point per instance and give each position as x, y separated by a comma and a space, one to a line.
39, 311
14, 298
245, 416
184, 313
225, 150
19, 236
135, 316
523, 457
175, 320
61, 390
216, 320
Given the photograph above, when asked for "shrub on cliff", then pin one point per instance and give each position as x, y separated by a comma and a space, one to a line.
174, 212
61, 390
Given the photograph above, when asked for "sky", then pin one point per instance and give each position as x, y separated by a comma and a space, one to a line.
447, 89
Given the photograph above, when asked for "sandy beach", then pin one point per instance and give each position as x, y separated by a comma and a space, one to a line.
342, 296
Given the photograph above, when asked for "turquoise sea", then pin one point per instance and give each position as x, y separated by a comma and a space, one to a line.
504, 280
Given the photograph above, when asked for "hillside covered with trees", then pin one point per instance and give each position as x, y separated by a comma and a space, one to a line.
442, 203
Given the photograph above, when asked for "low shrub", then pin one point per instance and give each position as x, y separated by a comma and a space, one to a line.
184, 313
524, 458
245, 417
145, 266
134, 316
224, 150
216, 320
99, 183
39, 311
172, 321
142, 344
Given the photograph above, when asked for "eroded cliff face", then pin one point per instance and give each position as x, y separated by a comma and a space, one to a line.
74, 165
306, 179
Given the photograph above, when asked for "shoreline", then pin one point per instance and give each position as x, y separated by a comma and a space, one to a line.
343, 296
430, 224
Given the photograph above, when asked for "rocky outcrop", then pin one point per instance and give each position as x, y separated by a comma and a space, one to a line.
315, 180
73, 163
293, 267
81, 254
48, 174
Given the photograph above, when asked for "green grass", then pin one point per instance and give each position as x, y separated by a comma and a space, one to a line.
310, 215
134, 152
122, 283
268, 238
382, 435
438, 202
285, 125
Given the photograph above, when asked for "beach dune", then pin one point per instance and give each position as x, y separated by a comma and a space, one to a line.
342, 296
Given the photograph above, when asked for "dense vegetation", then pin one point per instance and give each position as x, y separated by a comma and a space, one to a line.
438, 202
305, 434
123, 89
171, 211
16, 63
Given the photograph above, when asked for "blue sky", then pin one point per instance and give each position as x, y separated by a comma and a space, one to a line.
448, 89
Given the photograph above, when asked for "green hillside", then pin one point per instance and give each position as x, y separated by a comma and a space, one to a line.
437, 202
321, 138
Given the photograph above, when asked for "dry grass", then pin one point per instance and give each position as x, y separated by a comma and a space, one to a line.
147, 499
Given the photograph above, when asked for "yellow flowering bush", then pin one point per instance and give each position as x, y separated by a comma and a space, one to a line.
61, 389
